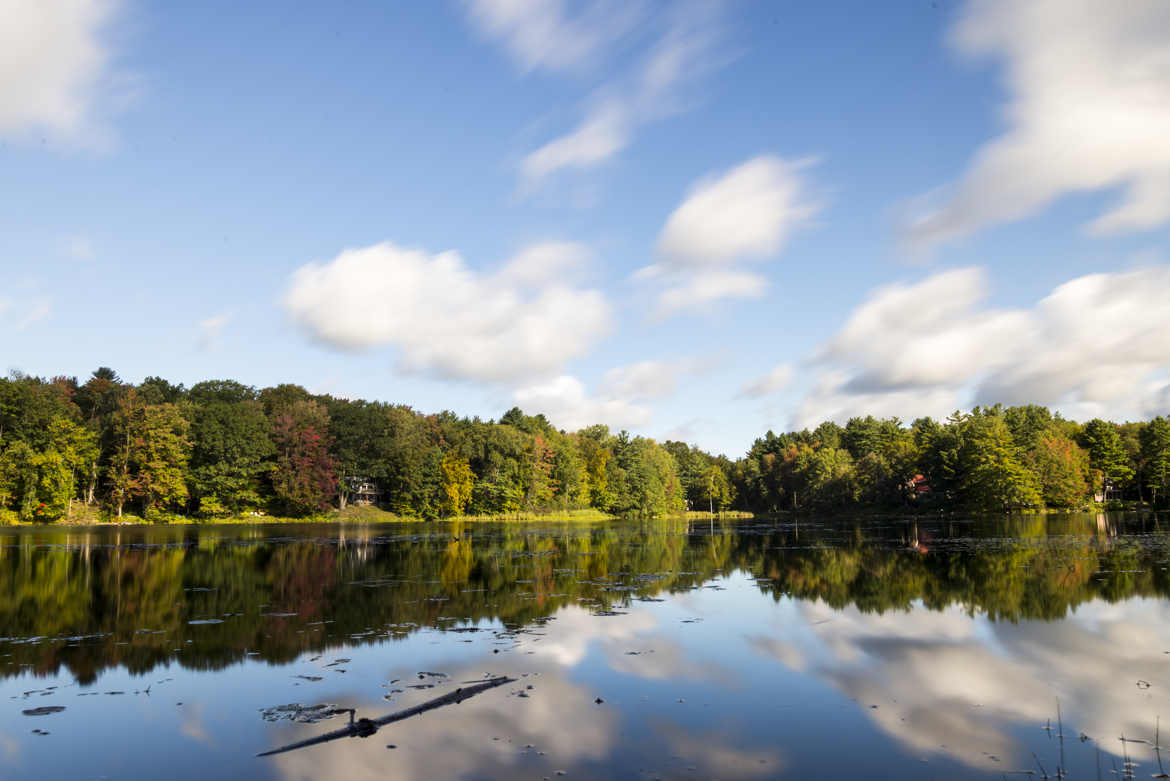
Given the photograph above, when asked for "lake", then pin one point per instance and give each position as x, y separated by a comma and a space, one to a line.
905, 648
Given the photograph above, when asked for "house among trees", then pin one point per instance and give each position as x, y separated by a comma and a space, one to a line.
363, 490
919, 486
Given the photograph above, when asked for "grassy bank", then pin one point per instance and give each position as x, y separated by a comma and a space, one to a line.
92, 516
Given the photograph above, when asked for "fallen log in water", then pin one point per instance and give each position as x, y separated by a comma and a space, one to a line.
365, 727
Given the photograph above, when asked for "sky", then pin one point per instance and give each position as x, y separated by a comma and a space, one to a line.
692, 220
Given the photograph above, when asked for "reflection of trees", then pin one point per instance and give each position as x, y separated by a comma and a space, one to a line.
100, 602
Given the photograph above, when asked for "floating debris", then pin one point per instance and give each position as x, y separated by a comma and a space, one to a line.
301, 714
363, 728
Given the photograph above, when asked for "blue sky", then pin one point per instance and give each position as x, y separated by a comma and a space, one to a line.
697, 220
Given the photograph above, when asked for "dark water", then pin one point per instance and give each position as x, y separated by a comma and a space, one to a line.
899, 649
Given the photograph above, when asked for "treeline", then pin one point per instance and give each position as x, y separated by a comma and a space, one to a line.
991, 459
221, 449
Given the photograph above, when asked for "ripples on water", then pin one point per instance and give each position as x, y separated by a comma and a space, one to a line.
668, 649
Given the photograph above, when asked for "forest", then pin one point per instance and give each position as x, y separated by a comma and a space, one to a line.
105, 449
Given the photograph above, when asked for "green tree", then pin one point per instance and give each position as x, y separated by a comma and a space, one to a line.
1107, 454
456, 484
1062, 469
1028, 425
648, 478
826, 477
715, 490
232, 451
150, 457
991, 473
1155, 448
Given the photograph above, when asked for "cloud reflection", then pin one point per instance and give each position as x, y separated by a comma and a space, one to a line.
485, 737
947, 684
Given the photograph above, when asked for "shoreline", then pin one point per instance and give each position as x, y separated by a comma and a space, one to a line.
358, 515
374, 515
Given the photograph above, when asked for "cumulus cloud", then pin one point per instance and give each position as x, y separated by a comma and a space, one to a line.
55, 65
832, 398
543, 34
651, 91
619, 398
649, 380
766, 384
444, 318
740, 215
1088, 109
565, 401
747, 212
550, 261
928, 333
697, 290
1098, 344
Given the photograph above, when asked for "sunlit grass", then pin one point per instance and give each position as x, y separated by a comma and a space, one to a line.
91, 516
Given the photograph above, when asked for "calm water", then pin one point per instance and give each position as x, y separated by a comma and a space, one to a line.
900, 649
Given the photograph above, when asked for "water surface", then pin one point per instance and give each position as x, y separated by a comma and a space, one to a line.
666, 649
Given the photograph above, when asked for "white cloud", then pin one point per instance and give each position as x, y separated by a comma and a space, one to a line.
604, 133
1089, 109
648, 380
766, 384
211, 329
54, 65
832, 398
543, 34
747, 212
565, 402
444, 318
740, 215
618, 399
928, 333
650, 92
1097, 345
1100, 339
687, 431
698, 290
540, 264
